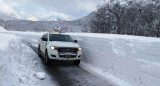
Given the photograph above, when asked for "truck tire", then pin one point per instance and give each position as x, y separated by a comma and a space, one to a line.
39, 51
77, 62
47, 60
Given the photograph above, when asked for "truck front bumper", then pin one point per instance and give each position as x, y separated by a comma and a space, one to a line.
54, 55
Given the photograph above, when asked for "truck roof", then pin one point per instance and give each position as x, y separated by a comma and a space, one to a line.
54, 32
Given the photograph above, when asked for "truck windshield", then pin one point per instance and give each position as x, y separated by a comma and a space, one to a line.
59, 37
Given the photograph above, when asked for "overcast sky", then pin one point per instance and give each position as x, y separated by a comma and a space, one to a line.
67, 9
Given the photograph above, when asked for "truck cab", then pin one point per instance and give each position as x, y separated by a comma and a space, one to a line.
60, 47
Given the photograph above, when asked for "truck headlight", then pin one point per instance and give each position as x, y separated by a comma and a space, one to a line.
53, 48
79, 49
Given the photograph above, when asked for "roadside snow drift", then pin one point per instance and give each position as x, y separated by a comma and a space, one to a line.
40, 75
16, 62
125, 60
2, 29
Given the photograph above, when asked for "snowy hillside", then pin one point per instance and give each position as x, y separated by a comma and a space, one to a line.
11, 16
23, 25
52, 18
2, 29
1, 22
125, 60
131, 17
16, 62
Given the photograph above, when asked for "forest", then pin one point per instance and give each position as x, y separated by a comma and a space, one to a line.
140, 18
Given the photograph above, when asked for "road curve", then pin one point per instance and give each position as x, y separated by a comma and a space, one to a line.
66, 74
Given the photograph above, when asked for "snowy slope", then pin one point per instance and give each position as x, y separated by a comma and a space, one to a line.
22, 25
2, 22
10, 16
2, 29
16, 62
125, 60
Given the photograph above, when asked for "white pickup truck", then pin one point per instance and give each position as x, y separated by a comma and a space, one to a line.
61, 47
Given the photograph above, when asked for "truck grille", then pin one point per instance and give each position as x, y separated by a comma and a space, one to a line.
67, 56
67, 52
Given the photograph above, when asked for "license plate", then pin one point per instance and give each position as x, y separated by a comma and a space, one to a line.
68, 53
68, 56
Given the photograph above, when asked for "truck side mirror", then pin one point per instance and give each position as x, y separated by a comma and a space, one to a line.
75, 41
44, 39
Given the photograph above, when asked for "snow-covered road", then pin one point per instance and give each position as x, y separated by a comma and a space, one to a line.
107, 59
59, 74
65, 73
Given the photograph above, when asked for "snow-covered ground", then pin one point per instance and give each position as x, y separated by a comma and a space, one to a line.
2, 29
17, 62
125, 60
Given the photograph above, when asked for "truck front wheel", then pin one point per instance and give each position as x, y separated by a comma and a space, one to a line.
47, 60
39, 51
77, 62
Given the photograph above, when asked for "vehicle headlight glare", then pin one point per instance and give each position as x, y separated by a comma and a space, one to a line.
53, 48
79, 49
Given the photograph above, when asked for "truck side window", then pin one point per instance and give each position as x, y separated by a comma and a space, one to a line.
43, 36
46, 37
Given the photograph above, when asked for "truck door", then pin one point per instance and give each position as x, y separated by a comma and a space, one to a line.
43, 43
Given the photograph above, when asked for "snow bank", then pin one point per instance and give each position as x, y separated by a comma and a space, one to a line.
5, 40
2, 29
40, 75
125, 60
31, 36
27, 33
16, 62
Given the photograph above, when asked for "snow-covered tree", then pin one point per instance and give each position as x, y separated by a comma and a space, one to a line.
132, 17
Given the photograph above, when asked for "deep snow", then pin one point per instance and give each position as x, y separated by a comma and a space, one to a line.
17, 64
2, 29
40, 75
125, 60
